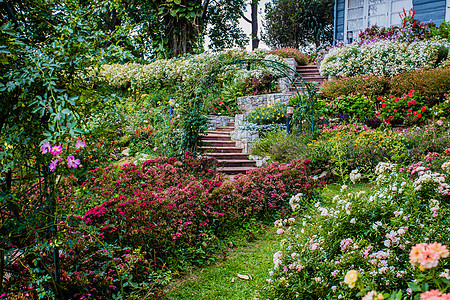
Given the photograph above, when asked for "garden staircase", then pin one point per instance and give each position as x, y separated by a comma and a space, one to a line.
231, 160
309, 74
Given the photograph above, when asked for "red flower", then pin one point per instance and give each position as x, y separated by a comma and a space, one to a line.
414, 112
413, 102
379, 98
419, 115
383, 105
215, 108
424, 109
396, 99
395, 110
409, 111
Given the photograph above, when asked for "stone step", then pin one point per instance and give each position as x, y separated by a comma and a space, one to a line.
306, 67
234, 170
228, 156
216, 137
236, 163
309, 74
217, 132
217, 143
220, 149
224, 129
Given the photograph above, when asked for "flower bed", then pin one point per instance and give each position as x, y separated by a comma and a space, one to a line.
127, 228
363, 241
384, 58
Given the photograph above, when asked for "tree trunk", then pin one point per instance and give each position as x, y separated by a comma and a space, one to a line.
255, 40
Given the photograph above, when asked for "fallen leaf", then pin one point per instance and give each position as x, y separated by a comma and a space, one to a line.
245, 277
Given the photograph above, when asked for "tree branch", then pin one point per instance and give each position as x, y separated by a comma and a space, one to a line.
246, 19
205, 9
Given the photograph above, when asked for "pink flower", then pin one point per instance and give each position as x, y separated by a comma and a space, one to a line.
46, 147
72, 162
429, 258
439, 248
53, 164
280, 231
80, 144
433, 294
56, 150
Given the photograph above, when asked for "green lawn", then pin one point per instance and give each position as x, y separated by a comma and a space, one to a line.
215, 282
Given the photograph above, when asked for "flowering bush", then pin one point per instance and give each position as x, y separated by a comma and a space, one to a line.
384, 58
184, 70
128, 227
260, 85
410, 30
299, 57
356, 107
410, 108
366, 238
271, 114
431, 84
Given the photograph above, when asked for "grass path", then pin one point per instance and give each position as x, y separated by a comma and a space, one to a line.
216, 281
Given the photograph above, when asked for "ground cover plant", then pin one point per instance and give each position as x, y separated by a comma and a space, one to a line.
391, 239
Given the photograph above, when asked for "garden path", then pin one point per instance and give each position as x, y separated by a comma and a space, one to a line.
219, 145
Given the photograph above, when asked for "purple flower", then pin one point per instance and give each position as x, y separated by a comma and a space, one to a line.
46, 147
72, 162
80, 144
55, 150
53, 164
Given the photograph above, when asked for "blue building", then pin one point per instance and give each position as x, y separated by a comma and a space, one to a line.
352, 16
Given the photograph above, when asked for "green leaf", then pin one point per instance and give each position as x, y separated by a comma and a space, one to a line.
414, 287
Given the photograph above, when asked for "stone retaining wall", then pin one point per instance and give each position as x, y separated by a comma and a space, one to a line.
248, 103
219, 121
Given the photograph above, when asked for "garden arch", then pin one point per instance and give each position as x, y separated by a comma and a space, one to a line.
304, 110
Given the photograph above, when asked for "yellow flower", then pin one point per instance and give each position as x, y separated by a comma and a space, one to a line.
351, 278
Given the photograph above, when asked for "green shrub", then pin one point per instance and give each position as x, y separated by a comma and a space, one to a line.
299, 57
443, 31
271, 114
431, 84
368, 85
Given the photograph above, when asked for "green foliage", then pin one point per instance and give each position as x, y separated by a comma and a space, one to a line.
298, 23
431, 84
273, 113
265, 84
442, 31
367, 85
355, 107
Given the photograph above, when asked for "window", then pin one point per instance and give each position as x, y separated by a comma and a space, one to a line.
361, 14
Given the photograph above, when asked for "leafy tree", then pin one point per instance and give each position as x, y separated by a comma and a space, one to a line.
176, 27
49, 55
298, 23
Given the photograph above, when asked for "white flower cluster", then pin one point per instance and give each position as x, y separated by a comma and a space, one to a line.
184, 70
355, 176
429, 177
446, 166
295, 201
385, 57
